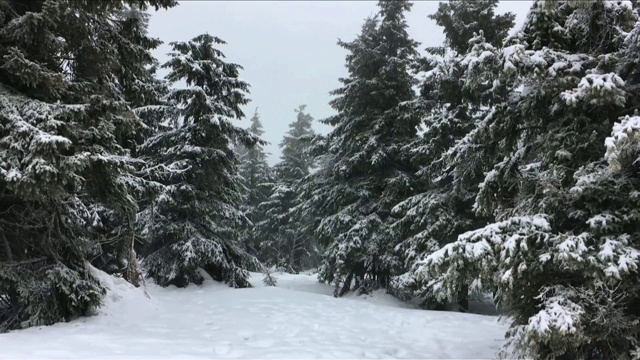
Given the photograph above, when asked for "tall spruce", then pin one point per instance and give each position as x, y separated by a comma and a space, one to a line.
562, 256
456, 93
462, 20
193, 225
368, 176
137, 85
296, 161
287, 242
258, 182
62, 167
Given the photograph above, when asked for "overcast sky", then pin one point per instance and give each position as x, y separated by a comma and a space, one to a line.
288, 48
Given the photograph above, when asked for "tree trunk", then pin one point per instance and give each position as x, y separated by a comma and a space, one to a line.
7, 248
346, 286
440, 306
131, 273
463, 298
292, 256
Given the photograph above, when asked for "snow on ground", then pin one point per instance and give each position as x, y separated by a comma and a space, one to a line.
297, 319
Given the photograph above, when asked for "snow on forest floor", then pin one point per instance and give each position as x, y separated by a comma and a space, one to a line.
297, 319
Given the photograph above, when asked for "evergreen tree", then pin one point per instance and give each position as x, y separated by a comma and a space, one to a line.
311, 189
268, 279
456, 93
254, 167
368, 175
193, 225
136, 84
258, 181
462, 20
297, 162
61, 165
287, 241
277, 233
561, 258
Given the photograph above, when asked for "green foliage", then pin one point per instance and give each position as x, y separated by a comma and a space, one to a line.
462, 20
268, 279
456, 93
65, 171
366, 174
286, 236
193, 224
40, 293
257, 179
562, 251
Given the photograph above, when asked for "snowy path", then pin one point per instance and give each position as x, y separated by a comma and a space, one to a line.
294, 320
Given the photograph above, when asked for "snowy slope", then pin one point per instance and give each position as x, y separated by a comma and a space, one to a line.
297, 319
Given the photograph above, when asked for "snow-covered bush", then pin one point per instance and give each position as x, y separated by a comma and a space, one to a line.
37, 293
268, 279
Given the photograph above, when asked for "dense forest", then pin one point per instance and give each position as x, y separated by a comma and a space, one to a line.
504, 162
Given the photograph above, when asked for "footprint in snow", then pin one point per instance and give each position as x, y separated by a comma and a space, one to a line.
401, 352
369, 355
396, 353
222, 349
261, 343
393, 332
246, 335
292, 333
159, 329
211, 325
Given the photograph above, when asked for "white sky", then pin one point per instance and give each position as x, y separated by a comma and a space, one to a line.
288, 48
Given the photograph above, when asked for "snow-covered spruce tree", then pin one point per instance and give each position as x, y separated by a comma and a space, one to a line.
137, 85
286, 239
194, 223
311, 189
137, 81
456, 93
462, 20
277, 233
258, 182
60, 162
296, 160
268, 279
562, 257
299, 161
367, 175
